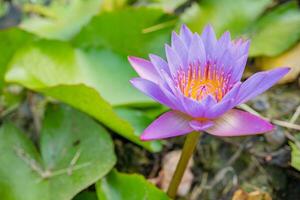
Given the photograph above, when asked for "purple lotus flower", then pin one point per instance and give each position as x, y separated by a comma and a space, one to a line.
201, 83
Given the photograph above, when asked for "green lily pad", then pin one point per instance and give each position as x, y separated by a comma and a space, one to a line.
224, 15
49, 63
11, 40
276, 31
247, 19
91, 81
75, 153
90, 101
62, 19
102, 75
121, 186
130, 31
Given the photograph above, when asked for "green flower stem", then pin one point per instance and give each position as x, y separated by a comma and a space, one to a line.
188, 149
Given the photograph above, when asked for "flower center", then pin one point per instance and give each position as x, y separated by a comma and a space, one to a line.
198, 82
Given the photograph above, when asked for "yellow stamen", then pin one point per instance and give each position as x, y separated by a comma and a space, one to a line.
197, 84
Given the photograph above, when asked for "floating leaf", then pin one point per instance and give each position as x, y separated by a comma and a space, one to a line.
49, 63
276, 31
290, 59
120, 186
231, 15
62, 19
102, 75
127, 31
75, 152
90, 101
295, 156
110, 74
88, 80
268, 37
11, 40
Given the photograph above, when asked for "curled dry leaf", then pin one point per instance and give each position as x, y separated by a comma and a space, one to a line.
255, 195
290, 58
163, 180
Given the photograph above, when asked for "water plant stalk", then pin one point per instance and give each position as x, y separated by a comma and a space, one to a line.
189, 146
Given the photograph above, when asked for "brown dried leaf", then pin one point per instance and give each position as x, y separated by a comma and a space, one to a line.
240, 195
255, 195
170, 161
259, 195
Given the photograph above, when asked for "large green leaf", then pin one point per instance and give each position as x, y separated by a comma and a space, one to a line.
62, 19
91, 81
243, 18
90, 101
11, 40
102, 75
127, 31
295, 161
49, 63
276, 32
75, 152
110, 73
231, 15
120, 186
